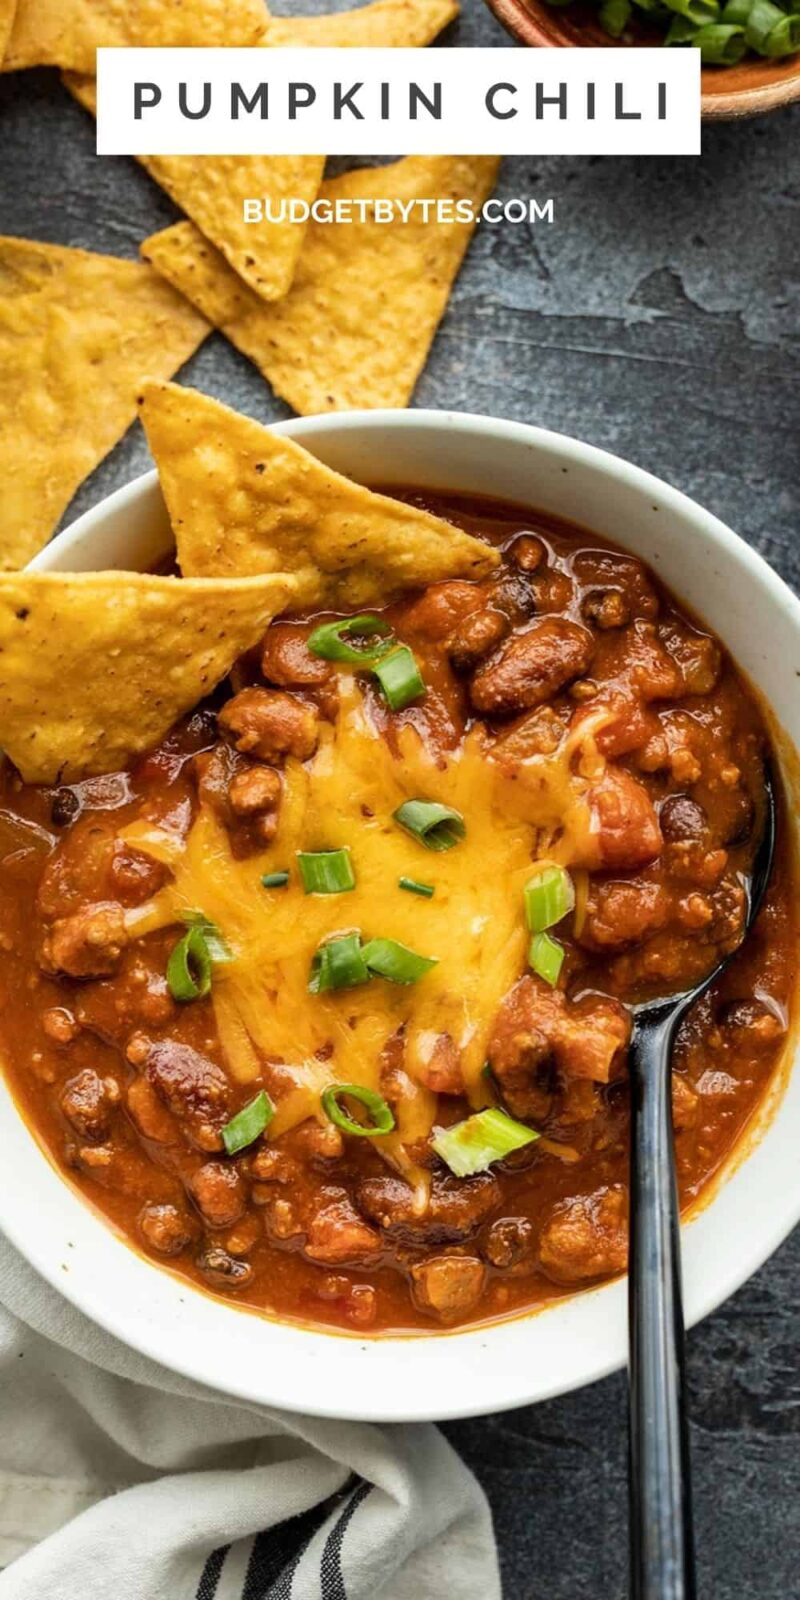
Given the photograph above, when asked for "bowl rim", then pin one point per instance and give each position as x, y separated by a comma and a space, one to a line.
455, 1377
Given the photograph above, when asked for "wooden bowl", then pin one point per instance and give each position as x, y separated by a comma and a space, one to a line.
755, 85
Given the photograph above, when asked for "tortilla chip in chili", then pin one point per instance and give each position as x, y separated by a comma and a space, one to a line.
242, 499
78, 332
366, 298
212, 189
66, 33
96, 667
384, 24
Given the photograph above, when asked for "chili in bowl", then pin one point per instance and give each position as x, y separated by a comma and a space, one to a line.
328, 989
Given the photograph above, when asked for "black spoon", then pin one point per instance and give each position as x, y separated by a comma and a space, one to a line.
661, 1538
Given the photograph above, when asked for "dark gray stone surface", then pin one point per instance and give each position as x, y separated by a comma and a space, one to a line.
658, 318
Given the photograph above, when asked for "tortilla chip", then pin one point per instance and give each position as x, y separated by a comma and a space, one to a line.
7, 10
211, 189
243, 500
384, 24
96, 667
66, 33
78, 332
366, 299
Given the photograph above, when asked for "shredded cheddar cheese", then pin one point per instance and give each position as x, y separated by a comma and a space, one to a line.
474, 925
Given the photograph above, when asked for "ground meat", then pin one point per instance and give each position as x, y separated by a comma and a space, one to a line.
59, 1025
269, 724
193, 1088
750, 1017
457, 1207
685, 1103
269, 1165
218, 1192
165, 1229
87, 1102
317, 1143
697, 657
624, 831
538, 1030
607, 608
629, 725
531, 667
509, 1244
287, 661
586, 1237
254, 791
621, 912
337, 1234
222, 1269
448, 1285
87, 944
475, 637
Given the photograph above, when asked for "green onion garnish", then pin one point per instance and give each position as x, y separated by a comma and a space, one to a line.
437, 827
399, 677
330, 640
549, 896
473, 1145
275, 880
546, 957
218, 949
326, 871
415, 887
189, 966
248, 1123
385, 958
338, 964
382, 1118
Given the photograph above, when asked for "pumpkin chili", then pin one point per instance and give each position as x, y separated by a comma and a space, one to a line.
324, 1002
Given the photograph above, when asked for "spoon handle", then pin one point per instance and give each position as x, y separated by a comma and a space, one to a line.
661, 1539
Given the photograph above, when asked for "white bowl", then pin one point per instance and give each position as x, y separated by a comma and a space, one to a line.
579, 1339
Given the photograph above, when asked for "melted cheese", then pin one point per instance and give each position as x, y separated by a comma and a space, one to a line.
474, 925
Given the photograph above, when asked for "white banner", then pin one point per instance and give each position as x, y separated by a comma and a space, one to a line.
608, 101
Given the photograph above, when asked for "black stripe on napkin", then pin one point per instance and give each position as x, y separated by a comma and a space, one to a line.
331, 1576
209, 1577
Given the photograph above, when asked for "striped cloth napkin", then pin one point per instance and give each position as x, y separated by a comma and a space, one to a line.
118, 1478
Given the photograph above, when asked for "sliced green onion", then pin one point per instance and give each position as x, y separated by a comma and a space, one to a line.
783, 39
379, 1110
721, 44
546, 956
437, 827
400, 677
330, 640
614, 16
248, 1123
189, 966
700, 12
218, 949
326, 871
549, 896
385, 958
275, 880
415, 887
473, 1145
338, 964
762, 17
